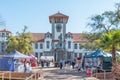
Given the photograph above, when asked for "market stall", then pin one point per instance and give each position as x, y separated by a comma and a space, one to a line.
33, 60
17, 62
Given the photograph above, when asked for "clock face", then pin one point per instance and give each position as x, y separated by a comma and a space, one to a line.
58, 28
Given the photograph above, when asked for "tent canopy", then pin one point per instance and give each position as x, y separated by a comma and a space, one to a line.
32, 56
47, 58
16, 55
98, 53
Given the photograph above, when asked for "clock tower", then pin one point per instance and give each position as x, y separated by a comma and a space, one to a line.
58, 22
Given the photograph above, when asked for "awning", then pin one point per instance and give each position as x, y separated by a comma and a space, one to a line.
47, 58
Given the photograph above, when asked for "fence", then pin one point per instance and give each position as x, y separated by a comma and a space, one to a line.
21, 76
2, 75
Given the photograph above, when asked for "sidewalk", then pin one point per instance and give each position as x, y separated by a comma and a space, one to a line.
64, 74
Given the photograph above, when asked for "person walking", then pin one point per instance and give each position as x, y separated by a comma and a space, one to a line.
73, 64
42, 64
25, 62
61, 64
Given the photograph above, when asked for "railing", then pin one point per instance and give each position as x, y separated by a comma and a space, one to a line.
3, 75
36, 75
105, 75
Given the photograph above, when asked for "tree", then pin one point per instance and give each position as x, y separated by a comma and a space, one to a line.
1, 21
12, 44
91, 37
111, 40
21, 42
107, 21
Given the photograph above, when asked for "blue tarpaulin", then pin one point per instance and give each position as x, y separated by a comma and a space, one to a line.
97, 53
7, 61
5, 64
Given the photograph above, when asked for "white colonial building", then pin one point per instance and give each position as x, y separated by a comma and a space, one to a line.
4, 34
58, 43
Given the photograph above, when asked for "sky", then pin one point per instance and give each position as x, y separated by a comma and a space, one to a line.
35, 13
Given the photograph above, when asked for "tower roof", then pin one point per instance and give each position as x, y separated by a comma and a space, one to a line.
4, 30
58, 15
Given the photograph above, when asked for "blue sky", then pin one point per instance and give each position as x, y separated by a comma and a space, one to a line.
35, 13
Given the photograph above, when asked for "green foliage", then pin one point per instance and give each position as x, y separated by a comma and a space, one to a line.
92, 40
107, 21
110, 39
105, 28
118, 59
21, 42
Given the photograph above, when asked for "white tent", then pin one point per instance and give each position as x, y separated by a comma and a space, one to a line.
47, 58
107, 54
16, 55
117, 53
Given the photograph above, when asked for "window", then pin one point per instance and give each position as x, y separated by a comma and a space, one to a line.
36, 46
41, 46
2, 48
69, 44
75, 46
58, 27
48, 44
3, 34
2, 44
36, 54
47, 36
60, 44
7, 34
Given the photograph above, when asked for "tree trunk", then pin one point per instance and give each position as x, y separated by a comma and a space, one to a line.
113, 55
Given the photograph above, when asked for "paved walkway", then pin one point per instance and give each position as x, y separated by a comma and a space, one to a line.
64, 74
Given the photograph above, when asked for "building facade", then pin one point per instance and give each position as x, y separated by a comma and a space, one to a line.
4, 34
58, 43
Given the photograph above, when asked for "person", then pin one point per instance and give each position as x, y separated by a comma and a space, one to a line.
73, 64
25, 62
61, 64
47, 64
42, 64
79, 68
11, 68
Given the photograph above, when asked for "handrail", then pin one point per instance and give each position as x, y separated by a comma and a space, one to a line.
3, 73
36, 74
2, 76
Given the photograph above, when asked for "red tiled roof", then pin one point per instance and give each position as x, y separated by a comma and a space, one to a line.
77, 37
37, 36
5, 31
42, 40
58, 15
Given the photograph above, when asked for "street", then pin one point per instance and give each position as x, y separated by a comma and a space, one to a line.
64, 74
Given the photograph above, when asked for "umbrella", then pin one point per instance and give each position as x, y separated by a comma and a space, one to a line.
16, 55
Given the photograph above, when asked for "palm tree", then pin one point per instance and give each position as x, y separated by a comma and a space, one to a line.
111, 40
